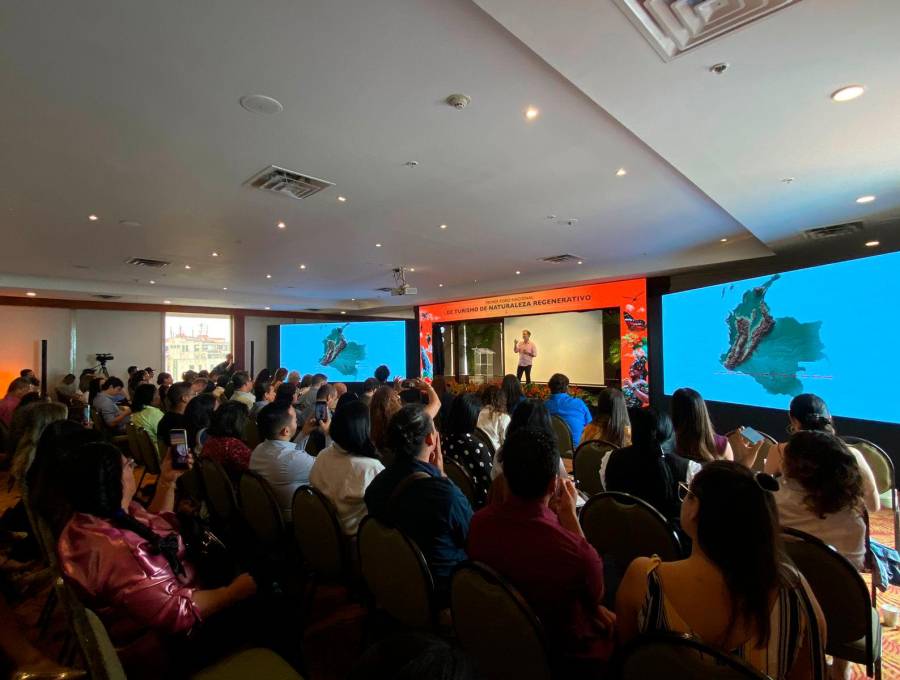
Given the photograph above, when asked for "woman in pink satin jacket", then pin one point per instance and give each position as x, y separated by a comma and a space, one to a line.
127, 563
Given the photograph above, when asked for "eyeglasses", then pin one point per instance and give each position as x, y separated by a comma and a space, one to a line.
683, 491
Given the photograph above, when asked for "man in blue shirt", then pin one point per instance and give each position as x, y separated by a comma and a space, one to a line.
572, 410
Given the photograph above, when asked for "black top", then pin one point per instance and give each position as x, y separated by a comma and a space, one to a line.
433, 512
170, 421
635, 471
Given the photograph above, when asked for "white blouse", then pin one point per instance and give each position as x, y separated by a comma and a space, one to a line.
493, 423
344, 478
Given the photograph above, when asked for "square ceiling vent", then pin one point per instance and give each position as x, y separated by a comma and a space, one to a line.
673, 27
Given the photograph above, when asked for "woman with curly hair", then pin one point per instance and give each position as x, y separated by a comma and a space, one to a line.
822, 492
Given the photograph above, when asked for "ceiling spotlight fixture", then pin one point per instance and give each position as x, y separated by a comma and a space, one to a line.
720, 68
343, 312
214, 254
580, 262
152, 282
268, 276
187, 266
93, 218
865, 199
260, 103
443, 226
225, 288
352, 299
378, 245
459, 101
518, 272
342, 199
167, 302
302, 266
411, 164
872, 244
440, 285
31, 293
621, 172
267, 308
412, 269
281, 225
787, 180
848, 93
531, 113
723, 240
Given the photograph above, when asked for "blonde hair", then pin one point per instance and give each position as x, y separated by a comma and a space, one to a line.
37, 417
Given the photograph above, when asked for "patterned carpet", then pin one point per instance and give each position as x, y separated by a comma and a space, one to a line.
882, 524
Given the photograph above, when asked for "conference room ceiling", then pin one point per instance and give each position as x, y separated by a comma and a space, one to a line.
130, 112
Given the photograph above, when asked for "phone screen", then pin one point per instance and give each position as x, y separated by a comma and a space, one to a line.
87, 414
321, 410
178, 438
751, 435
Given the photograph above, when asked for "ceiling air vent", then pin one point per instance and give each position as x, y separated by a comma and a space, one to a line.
385, 289
560, 259
103, 296
673, 27
287, 182
146, 262
836, 230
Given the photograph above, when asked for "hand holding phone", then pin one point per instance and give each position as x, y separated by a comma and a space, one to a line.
751, 435
321, 411
180, 451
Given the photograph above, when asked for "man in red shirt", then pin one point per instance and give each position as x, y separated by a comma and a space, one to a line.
535, 542
18, 388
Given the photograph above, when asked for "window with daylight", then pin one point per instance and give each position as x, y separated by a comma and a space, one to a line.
196, 342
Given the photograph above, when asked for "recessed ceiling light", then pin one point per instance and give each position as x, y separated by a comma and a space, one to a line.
260, 103
621, 172
787, 180
412, 269
167, 302
848, 93
872, 244
378, 245
93, 218
281, 225
152, 282
342, 199
865, 199
214, 254
443, 226
352, 299
531, 113
343, 312
580, 262
187, 266
302, 266
723, 240
267, 308
31, 293
268, 276
518, 272
224, 288
440, 285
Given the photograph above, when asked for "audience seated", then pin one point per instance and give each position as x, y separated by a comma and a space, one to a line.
695, 437
17, 389
226, 368
611, 423
115, 417
571, 409
512, 393
535, 542
326, 394
67, 391
264, 393
648, 468
35, 418
493, 419
368, 390
144, 409
21, 420
306, 403
281, 462
287, 393
164, 381
128, 563
224, 443
177, 399
138, 377
280, 375
344, 470
810, 413
458, 443
385, 404
532, 414
197, 417
294, 377
414, 495
200, 385
414, 656
734, 591
305, 383
822, 492
84, 380
243, 389
382, 373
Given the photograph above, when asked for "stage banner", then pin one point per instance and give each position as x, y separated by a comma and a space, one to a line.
630, 297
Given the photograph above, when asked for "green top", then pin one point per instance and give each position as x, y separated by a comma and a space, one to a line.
148, 419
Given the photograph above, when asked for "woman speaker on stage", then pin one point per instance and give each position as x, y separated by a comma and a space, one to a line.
527, 351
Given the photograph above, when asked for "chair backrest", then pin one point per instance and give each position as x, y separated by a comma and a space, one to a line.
261, 511
586, 464
564, 440
481, 437
133, 445
879, 461
100, 657
396, 574
457, 474
100, 425
678, 656
837, 585
251, 434
496, 627
218, 491
318, 534
150, 457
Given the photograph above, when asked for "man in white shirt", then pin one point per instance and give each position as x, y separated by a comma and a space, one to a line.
243, 389
281, 462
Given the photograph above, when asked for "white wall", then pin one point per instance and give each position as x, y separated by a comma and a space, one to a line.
255, 329
23, 330
569, 343
133, 338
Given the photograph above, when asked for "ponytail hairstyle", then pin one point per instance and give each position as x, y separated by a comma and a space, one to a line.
143, 396
407, 431
693, 428
750, 560
612, 416
827, 471
350, 429
812, 413
96, 489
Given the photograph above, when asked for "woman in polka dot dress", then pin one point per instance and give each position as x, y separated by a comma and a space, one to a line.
459, 444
